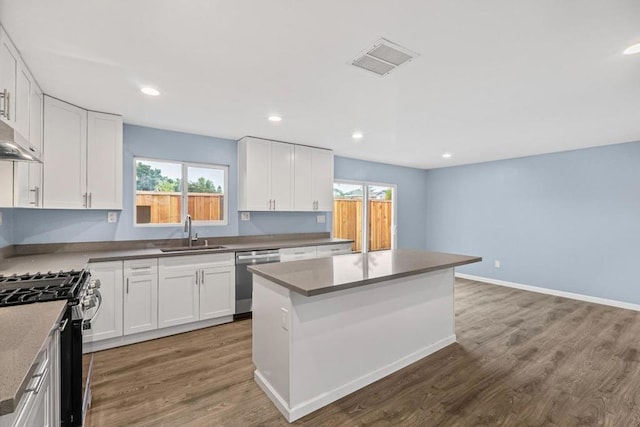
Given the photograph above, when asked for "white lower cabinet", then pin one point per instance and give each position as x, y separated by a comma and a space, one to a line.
217, 292
140, 304
107, 321
195, 287
39, 405
178, 299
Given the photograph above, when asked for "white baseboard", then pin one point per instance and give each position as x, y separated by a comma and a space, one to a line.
91, 347
307, 407
275, 397
571, 295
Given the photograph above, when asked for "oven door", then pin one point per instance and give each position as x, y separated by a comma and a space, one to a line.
89, 313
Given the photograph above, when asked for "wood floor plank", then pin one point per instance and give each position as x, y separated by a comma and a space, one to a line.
521, 359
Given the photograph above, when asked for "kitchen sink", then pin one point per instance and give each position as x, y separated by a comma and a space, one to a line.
193, 248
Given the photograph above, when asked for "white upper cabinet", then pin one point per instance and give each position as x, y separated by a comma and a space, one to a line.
9, 61
16, 88
82, 158
313, 183
276, 176
254, 174
265, 175
65, 155
24, 83
27, 179
104, 161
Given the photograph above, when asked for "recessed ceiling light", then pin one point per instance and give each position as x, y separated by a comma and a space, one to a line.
150, 91
275, 118
632, 49
447, 155
357, 135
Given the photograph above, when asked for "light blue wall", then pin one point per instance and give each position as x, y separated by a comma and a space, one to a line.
411, 190
284, 222
6, 228
52, 226
567, 221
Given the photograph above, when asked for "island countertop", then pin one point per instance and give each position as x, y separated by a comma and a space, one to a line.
322, 275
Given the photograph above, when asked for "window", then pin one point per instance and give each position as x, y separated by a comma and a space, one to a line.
364, 213
167, 191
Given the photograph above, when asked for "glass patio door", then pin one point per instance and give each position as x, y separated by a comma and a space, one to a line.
364, 213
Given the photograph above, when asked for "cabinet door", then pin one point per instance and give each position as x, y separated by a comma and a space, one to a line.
107, 323
65, 155
217, 292
39, 414
104, 161
255, 176
8, 77
178, 301
303, 176
323, 180
27, 178
23, 100
27, 185
140, 304
282, 176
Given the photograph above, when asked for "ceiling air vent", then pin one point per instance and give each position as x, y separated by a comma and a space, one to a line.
383, 57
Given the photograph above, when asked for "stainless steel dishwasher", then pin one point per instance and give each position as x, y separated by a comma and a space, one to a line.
244, 279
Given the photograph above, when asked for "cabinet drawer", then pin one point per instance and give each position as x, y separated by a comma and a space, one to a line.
336, 249
294, 254
31, 399
140, 267
198, 261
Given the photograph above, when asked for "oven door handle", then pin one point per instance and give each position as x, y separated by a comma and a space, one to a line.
99, 298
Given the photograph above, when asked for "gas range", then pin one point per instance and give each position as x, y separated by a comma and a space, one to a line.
42, 287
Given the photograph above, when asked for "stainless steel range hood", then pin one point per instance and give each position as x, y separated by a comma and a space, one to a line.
15, 147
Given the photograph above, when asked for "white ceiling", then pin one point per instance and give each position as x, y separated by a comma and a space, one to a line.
495, 79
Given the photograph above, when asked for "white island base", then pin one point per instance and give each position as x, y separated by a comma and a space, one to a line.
310, 351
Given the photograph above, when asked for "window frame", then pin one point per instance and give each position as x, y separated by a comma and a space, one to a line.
184, 192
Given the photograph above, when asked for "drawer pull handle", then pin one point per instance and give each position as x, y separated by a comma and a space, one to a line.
38, 386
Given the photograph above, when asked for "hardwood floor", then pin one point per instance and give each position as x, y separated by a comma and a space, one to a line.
521, 359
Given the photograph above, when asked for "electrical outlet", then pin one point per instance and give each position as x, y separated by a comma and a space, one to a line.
496, 263
245, 216
112, 217
320, 219
284, 318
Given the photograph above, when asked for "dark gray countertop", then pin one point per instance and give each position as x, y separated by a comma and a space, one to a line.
323, 275
24, 330
78, 260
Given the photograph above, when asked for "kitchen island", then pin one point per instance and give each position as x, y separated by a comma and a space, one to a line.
324, 328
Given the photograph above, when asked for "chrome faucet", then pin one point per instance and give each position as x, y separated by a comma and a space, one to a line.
187, 229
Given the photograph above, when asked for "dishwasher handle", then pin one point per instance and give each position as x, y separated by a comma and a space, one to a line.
257, 257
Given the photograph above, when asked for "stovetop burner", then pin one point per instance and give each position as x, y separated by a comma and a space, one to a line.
40, 287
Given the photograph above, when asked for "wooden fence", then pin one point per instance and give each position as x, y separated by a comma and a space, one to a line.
165, 208
347, 223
